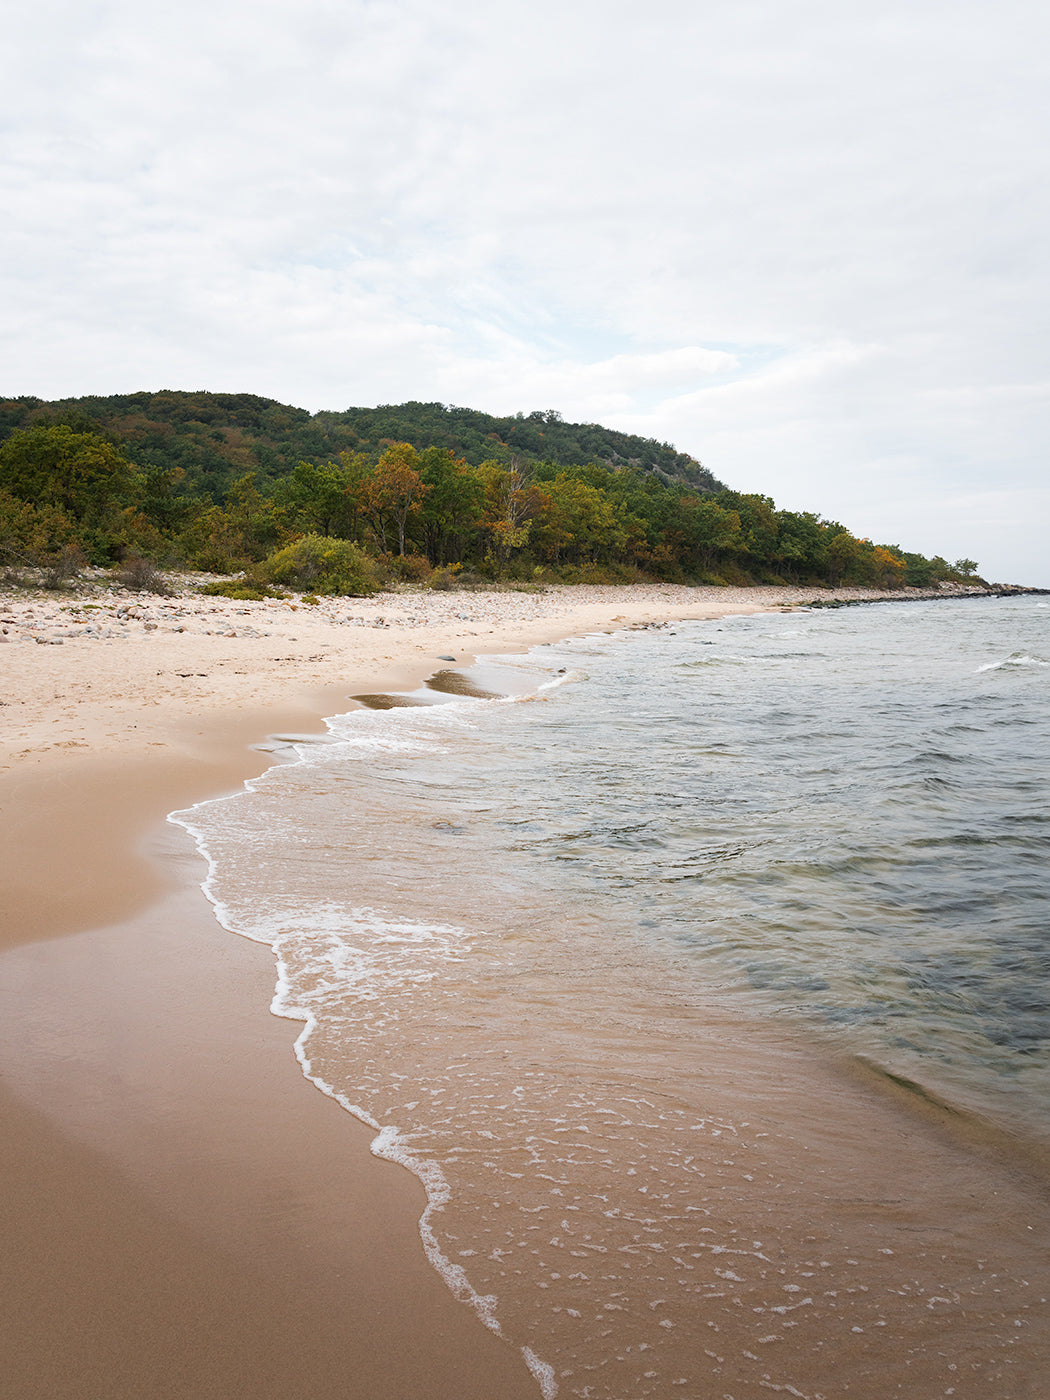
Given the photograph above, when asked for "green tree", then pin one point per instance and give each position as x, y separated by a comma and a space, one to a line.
114, 507
843, 551
759, 527
452, 507
253, 518
322, 565
83, 476
33, 535
578, 521
81, 473
324, 499
226, 538
802, 544
708, 531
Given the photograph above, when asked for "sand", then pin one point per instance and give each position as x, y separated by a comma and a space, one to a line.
169, 1179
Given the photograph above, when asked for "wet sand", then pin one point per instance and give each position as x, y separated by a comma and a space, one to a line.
169, 1179
166, 1169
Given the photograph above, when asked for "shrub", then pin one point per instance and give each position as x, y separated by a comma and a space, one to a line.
61, 568
410, 568
142, 576
242, 589
320, 564
471, 580
444, 579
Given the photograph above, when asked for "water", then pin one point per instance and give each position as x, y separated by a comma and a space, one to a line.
703, 980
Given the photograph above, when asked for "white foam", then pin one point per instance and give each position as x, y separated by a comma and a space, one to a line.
391, 1146
543, 1373
329, 928
572, 677
397, 730
1017, 659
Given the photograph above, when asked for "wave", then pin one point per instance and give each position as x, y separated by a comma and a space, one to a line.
1017, 659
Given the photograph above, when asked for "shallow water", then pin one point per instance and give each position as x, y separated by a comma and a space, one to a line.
601, 962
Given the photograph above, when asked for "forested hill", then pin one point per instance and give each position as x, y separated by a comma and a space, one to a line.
416, 492
214, 439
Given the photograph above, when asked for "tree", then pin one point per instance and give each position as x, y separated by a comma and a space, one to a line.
511, 504
81, 473
843, 549
579, 520
253, 518
802, 545
88, 481
326, 499
452, 508
32, 534
321, 564
888, 569
708, 530
759, 527
394, 490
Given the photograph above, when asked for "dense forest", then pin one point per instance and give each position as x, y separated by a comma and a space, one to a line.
424, 492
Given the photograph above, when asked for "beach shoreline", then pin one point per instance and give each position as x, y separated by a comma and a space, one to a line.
158, 1239
147, 704
119, 708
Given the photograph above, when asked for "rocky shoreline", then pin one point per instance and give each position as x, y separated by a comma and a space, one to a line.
99, 610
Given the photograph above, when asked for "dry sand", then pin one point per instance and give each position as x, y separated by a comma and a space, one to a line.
165, 1167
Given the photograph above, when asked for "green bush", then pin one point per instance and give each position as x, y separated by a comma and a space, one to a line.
320, 564
444, 579
242, 589
410, 568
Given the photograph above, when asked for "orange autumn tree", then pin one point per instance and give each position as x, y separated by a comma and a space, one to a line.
392, 493
888, 568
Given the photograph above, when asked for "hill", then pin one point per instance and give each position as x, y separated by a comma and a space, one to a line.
423, 492
214, 439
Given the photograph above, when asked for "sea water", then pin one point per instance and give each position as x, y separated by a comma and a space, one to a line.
701, 974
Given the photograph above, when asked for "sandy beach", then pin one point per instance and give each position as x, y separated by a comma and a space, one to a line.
169, 1177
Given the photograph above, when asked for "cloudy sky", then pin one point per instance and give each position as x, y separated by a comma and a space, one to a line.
805, 241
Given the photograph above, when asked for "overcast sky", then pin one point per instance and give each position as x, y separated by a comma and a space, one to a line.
806, 242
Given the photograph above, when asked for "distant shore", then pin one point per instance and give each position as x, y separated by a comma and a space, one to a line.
161, 1234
